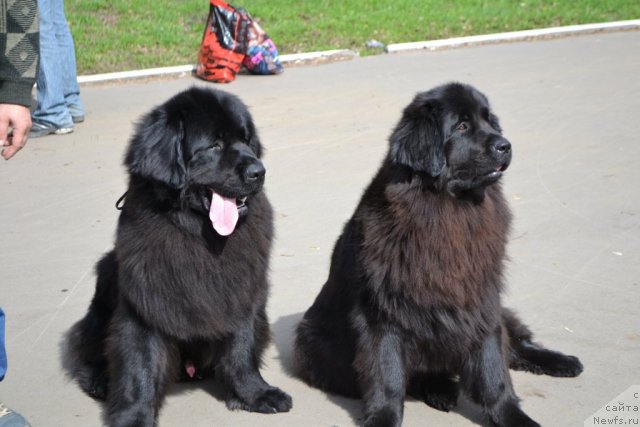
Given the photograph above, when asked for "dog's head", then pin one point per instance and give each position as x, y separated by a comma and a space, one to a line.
203, 145
451, 135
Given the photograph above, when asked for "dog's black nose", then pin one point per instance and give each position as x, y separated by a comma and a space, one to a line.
502, 146
254, 172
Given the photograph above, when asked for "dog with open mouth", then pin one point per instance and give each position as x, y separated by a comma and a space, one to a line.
183, 293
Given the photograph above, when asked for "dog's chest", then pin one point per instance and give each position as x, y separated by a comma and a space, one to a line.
209, 288
435, 250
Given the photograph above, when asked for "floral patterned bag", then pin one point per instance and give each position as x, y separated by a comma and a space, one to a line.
262, 54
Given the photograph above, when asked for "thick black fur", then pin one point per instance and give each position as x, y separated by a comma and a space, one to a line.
174, 295
412, 304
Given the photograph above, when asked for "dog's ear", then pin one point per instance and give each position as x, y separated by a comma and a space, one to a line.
417, 141
155, 151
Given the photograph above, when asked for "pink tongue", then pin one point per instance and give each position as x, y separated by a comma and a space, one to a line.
223, 214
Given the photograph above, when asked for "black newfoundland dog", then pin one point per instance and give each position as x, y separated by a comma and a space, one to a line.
412, 303
183, 293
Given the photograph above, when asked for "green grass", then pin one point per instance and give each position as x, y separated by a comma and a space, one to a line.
120, 35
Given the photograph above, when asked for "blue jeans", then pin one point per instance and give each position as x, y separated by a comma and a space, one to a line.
58, 88
3, 353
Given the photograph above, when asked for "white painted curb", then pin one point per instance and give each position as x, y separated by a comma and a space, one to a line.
543, 33
313, 56
137, 74
188, 69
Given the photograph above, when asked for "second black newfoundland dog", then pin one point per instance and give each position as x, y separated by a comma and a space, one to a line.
412, 303
183, 293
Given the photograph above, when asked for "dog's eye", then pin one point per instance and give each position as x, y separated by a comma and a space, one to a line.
462, 127
217, 146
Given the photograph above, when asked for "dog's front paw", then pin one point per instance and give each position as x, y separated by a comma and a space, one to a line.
268, 401
383, 417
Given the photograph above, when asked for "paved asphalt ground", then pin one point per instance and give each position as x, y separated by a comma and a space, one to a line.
571, 108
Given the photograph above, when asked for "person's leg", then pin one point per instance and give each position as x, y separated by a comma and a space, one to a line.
70, 87
7, 416
3, 353
52, 109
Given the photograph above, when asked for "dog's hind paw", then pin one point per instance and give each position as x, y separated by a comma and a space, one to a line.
441, 402
539, 360
436, 390
95, 387
565, 366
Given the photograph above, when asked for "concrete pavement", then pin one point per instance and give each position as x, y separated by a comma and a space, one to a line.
569, 106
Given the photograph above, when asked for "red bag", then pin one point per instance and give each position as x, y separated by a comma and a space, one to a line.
224, 44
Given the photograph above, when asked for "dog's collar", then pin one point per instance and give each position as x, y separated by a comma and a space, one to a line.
241, 203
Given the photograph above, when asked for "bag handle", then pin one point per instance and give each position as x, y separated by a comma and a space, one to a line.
219, 3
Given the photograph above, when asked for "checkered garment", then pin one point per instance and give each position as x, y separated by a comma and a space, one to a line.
19, 50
